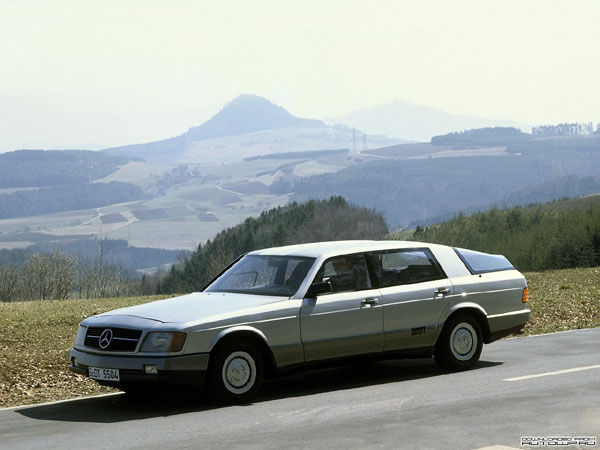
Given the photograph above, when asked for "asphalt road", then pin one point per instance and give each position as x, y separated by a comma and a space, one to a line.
392, 404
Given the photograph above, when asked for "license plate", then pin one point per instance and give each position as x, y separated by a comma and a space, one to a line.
98, 373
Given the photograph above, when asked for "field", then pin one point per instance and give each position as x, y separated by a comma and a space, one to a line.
563, 300
176, 218
35, 337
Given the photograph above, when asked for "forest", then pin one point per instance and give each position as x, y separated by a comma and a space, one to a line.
481, 137
115, 251
51, 181
313, 221
298, 155
50, 200
556, 235
415, 190
47, 168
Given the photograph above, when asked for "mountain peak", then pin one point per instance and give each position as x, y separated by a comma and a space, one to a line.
248, 113
248, 99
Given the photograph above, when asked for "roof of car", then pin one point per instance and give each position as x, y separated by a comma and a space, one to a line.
332, 248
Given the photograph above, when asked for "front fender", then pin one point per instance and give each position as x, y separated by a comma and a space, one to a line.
234, 329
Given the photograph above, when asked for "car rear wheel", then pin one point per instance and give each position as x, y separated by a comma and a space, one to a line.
459, 346
236, 372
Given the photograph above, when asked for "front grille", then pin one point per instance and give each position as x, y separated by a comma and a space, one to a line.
122, 339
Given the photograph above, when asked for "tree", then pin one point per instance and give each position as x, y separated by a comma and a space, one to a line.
64, 272
39, 277
9, 283
313, 221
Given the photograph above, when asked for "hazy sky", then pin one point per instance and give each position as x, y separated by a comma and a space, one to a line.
91, 74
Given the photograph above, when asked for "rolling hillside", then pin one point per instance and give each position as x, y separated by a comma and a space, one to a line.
415, 122
314, 221
39, 168
556, 235
439, 182
254, 155
247, 126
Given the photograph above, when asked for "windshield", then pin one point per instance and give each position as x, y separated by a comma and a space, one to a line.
264, 275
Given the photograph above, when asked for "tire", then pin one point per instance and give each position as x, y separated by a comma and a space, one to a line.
459, 346
236, 373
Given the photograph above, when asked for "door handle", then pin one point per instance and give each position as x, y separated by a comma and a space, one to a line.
441, 292
370, 301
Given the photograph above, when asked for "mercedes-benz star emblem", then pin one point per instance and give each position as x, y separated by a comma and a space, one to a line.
106, 338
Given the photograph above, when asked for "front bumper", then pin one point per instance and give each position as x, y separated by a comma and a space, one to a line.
184, 369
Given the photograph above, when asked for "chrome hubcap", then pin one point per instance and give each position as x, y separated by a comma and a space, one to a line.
463, 341
239, 372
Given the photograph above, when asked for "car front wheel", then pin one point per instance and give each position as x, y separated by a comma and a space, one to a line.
460, 344
236, 372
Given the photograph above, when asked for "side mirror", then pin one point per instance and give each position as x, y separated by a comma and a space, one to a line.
318, 288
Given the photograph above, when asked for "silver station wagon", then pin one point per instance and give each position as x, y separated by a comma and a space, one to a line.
292, 306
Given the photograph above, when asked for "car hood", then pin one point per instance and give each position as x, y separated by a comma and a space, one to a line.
196, 307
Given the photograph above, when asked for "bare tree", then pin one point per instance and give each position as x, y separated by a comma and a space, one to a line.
63, 275
9, 283
49, 276
96, 278
39, 276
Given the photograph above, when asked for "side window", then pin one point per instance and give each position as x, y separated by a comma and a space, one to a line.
345, 273
478, 262
404, 266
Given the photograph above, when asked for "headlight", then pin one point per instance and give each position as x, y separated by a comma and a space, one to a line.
163, 341
80, 338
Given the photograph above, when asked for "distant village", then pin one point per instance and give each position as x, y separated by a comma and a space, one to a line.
566, 129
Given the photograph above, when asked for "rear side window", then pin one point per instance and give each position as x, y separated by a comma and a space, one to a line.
478, 262
404, 266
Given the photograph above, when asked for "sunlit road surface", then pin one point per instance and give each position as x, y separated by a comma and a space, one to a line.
536, 386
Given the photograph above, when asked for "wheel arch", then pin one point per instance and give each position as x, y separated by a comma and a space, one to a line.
245, 333
474, 310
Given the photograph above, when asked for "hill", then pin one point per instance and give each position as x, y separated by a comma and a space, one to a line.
247, 114
243, 115
49, 168
181, 204
482, 137
419, 187
415, 122
37, 182
314, 221
114, 252
556, 235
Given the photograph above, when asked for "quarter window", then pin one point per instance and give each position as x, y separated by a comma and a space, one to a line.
404, 266
478, 262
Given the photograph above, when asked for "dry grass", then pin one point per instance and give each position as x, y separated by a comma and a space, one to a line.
563, 300
35, 337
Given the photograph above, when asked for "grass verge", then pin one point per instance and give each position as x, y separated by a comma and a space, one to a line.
563, 300
35, 340
35, 337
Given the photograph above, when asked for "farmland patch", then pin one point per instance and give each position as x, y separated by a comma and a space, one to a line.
247, 187
150, 214
112, 218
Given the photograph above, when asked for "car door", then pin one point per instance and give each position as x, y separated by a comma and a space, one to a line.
415, 292
346, 321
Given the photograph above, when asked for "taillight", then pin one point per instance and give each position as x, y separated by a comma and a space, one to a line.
525, 295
